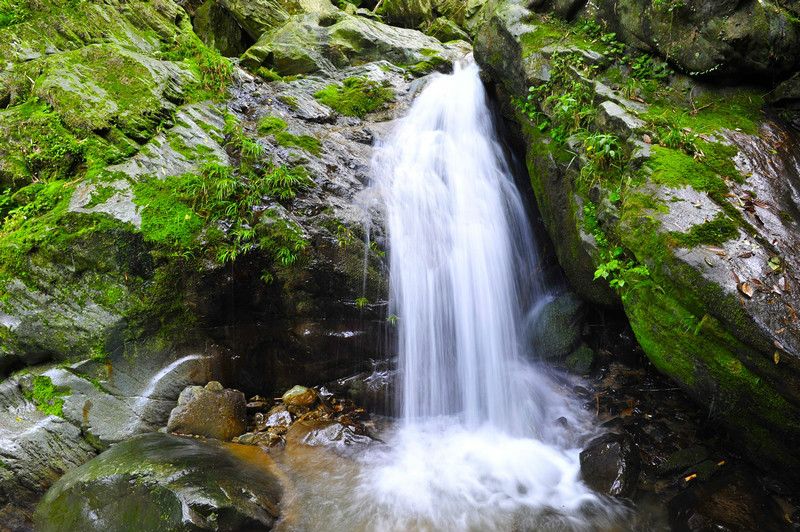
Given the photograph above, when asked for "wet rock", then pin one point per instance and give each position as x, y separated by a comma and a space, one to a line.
610, 464
468, 14
211, 411
445, 30
325, 433
733, 502
299, 396
325, 43
683, 459
35, 450
556, 326
581, 360
165, 482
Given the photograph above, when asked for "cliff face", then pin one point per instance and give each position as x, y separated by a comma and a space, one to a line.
673, 196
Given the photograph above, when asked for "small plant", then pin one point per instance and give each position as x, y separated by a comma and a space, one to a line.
361, 302
13, 12
603, 150
344, 235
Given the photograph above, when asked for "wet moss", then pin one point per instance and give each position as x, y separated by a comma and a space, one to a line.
356, 96
713, 232
268, 125
304, 142
165, 218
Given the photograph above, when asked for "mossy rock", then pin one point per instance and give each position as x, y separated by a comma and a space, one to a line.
160, 482
217, 28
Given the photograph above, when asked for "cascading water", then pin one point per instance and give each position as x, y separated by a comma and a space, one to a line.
460, 255
478, 447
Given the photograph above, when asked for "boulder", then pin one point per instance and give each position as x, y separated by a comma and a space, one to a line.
211, 411
610, 464
164, 482
323, 42
218, 29
556, 326
409, 13
445, 30
259, 16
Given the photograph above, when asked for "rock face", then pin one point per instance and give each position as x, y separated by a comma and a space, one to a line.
162, 482
682, 203
211, 411
733, 40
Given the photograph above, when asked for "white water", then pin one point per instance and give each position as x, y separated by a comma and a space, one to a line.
478, 448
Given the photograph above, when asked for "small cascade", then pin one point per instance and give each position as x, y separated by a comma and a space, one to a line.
461, 259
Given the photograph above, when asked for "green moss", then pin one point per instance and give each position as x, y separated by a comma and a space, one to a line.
268, 74
268, 125
305, 142
166, 219
100, 195
713, 232
356, 96
47, 397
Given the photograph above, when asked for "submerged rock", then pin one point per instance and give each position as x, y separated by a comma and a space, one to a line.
161, 482
211, 411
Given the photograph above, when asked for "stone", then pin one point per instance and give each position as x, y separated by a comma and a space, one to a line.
35, 450
332, 434
314, 42
468, 14
300, 396
731, 501
555, 326
613, 118
610, 464
210, 411
409, 13
164, 482
260, 16
683, 459
446, 30
581, 360
218, 29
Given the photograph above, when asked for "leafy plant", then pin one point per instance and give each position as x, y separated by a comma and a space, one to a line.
13, 12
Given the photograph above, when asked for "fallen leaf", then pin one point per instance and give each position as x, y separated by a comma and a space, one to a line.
708, 262
647, 138
762, 204
746, 289
746, 255
786, 285
774, 262
714, 249
690, 477
776, 357
779, 331
778, 344
720, 464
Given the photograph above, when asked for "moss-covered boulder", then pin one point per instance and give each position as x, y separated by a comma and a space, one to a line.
409, 13
257, 17
734, 40
676, 195
327, 42
161, 482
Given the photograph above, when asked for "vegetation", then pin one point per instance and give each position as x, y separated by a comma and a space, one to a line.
46, 396
356, 96
304, 142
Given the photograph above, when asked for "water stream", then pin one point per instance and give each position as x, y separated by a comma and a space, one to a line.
479, 446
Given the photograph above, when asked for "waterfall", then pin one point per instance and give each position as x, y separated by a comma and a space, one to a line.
460, 258
478, 447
